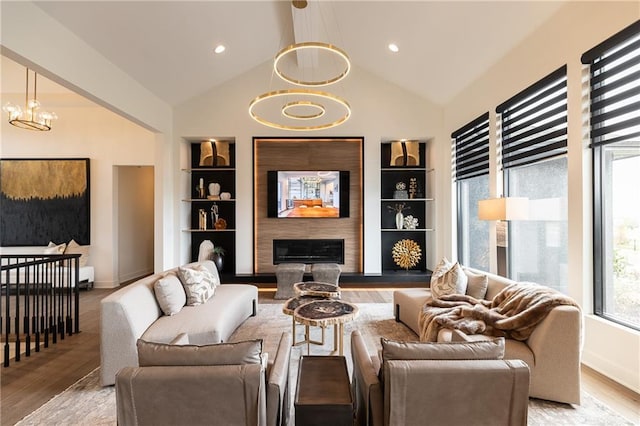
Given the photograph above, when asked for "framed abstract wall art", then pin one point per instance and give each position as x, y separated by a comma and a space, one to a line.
44, 200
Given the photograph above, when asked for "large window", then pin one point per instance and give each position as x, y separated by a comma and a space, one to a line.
471, 171
533, 141
615, 141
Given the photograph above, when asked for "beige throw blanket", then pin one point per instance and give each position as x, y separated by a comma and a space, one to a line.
513, 313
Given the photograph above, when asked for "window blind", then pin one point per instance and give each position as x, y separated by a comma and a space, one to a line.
615, 87
534, 122
471, 149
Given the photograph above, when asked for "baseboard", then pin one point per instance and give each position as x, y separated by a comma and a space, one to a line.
134, 275
105, 284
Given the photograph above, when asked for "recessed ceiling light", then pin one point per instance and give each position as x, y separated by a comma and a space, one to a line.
393, 47
220, 48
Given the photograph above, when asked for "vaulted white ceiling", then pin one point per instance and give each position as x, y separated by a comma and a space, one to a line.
167, 46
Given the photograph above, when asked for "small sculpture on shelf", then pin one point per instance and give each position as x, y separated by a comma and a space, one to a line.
207, 157
214, 213
401, 191
214, 191
202, 219
406, 253
398, 208
410, 222
200, 191
415, 191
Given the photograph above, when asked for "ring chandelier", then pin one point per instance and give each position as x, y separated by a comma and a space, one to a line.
302, 93
301, 108
286, 110
312, 45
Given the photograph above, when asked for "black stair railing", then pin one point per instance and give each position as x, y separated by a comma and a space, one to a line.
39, 302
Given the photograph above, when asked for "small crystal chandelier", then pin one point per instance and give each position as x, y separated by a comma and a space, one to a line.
30, 117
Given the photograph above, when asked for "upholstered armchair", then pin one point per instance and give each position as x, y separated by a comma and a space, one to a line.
438, 384
221, 384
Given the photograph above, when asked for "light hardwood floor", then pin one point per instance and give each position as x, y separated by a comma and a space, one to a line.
28, 384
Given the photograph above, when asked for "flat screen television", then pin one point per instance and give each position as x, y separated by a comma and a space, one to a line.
307, 193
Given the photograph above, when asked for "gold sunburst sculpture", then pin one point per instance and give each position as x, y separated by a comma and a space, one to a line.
406, 253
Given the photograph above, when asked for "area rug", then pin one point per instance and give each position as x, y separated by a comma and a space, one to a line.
87, 403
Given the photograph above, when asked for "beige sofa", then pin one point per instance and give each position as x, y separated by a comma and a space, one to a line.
552, 352
446, 389
208, 387
132, 313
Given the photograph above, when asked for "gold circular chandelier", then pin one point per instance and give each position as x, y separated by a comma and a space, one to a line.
320, 47
302, 93
286, 110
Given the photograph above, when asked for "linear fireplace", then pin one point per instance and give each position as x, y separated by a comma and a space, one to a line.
308, 251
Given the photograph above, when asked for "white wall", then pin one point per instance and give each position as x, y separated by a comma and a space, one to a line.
577, 27
55, 52
107, 140
380, 110
134, 214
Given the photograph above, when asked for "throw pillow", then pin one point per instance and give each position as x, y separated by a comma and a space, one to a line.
156, 354
477, 284
443, 266
75, 248
212, 278
170, 294
198, 288
452, 281
486, 349
54, 248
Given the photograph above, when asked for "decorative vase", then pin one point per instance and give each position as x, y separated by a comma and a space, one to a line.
214, 189
218, 259
399, 220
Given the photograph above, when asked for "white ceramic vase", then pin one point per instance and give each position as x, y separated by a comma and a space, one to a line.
399, 220
214, 189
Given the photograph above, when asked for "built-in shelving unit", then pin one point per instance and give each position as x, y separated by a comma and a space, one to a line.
222, 172
405, 185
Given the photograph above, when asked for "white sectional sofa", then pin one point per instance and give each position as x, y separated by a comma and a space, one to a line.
133, 313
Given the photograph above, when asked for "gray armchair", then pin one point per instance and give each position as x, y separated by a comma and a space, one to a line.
240, 393
438, 391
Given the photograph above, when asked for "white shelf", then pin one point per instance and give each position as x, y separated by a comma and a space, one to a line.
204, 200
210, 169
208, 230
406, 199
406, 230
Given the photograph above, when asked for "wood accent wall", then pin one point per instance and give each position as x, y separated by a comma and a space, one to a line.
308, 154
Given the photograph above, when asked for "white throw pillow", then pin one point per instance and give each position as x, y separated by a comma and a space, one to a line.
443, 266
197, 285
170, 294
477, 284
452, 281
75, 248
54, 248
211, 278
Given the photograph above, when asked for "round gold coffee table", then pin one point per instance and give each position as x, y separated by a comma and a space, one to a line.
327, 312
